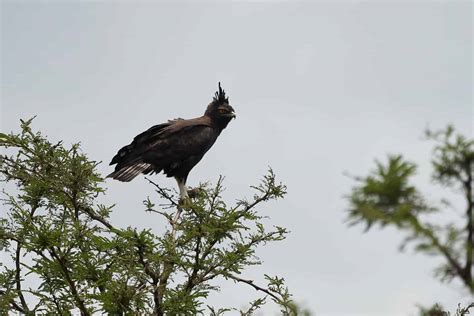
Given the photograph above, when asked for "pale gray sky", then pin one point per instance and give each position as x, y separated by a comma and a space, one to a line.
319, 88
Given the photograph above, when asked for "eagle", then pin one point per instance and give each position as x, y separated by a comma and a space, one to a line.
174, 147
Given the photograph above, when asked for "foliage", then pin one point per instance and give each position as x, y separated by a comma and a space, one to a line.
386, 197
435, 310
54, 230
438, 310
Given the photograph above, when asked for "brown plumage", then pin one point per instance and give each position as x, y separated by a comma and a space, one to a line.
174, 147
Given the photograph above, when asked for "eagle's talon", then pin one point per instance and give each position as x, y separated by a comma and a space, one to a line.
185, 202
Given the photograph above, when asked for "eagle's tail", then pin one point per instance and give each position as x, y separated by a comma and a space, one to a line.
127, 173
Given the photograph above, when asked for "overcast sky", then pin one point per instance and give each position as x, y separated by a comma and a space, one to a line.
319, 89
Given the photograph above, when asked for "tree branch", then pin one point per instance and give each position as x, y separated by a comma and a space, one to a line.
191, 280
163, 193
18, 278
256, 287
470, 228
146, 265
13, 304
160, 284
167, 266
71, 284
92, 214
436, 243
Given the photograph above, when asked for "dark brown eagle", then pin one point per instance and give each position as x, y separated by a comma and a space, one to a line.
174, 147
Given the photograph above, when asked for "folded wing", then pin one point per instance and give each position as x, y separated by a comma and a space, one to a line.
174, 147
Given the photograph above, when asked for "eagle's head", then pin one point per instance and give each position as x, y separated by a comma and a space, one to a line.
219, 110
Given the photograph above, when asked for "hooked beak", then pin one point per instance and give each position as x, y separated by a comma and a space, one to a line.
231, 115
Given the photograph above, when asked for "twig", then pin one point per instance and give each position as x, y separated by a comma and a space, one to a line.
165, 215
256, 287
89, 211
163, 192
204, 276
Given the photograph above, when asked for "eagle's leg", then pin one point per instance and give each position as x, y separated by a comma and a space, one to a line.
183, 190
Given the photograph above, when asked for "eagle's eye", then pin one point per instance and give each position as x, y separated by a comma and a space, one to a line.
223, 111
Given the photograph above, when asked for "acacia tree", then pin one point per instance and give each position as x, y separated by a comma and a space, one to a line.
53, 229
387, 197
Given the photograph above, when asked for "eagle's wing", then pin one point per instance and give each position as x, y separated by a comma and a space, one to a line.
165, 147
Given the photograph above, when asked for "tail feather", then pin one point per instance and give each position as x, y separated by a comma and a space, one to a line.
129, 172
